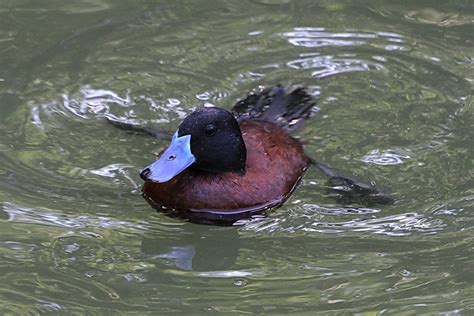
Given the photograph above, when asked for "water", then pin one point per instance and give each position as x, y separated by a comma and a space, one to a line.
393, 81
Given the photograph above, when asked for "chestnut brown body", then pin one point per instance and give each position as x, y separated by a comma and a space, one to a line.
275, 164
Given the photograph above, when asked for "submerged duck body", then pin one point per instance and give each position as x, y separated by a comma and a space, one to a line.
217, 163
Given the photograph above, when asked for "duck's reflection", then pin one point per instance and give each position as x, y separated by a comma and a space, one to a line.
199, 248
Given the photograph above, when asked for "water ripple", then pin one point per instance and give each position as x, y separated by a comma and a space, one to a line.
21, 214
327, 210
393, 225
386, 157
94, 101
112, 170
312, 37
97, 103
318, 37
315, 37
330, 220
439, 18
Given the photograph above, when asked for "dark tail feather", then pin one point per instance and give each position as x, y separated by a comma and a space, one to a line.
273, 104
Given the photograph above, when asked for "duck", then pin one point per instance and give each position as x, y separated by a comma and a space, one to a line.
222, 166
228, 164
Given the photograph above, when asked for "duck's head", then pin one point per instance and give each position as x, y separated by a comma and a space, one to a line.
209, 139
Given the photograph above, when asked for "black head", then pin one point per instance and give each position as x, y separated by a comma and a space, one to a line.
216, 140
209, 139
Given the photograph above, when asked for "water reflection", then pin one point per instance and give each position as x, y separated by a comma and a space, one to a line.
199, 249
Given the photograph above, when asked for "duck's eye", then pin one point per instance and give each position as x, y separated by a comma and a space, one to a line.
210, 130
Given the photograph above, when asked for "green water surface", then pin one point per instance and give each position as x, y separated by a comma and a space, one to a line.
393, 81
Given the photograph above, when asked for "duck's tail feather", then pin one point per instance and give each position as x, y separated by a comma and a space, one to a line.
273, 104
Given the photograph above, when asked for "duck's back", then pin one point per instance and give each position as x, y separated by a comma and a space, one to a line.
275, 164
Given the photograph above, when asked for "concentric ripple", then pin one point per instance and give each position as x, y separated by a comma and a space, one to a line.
385, 158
